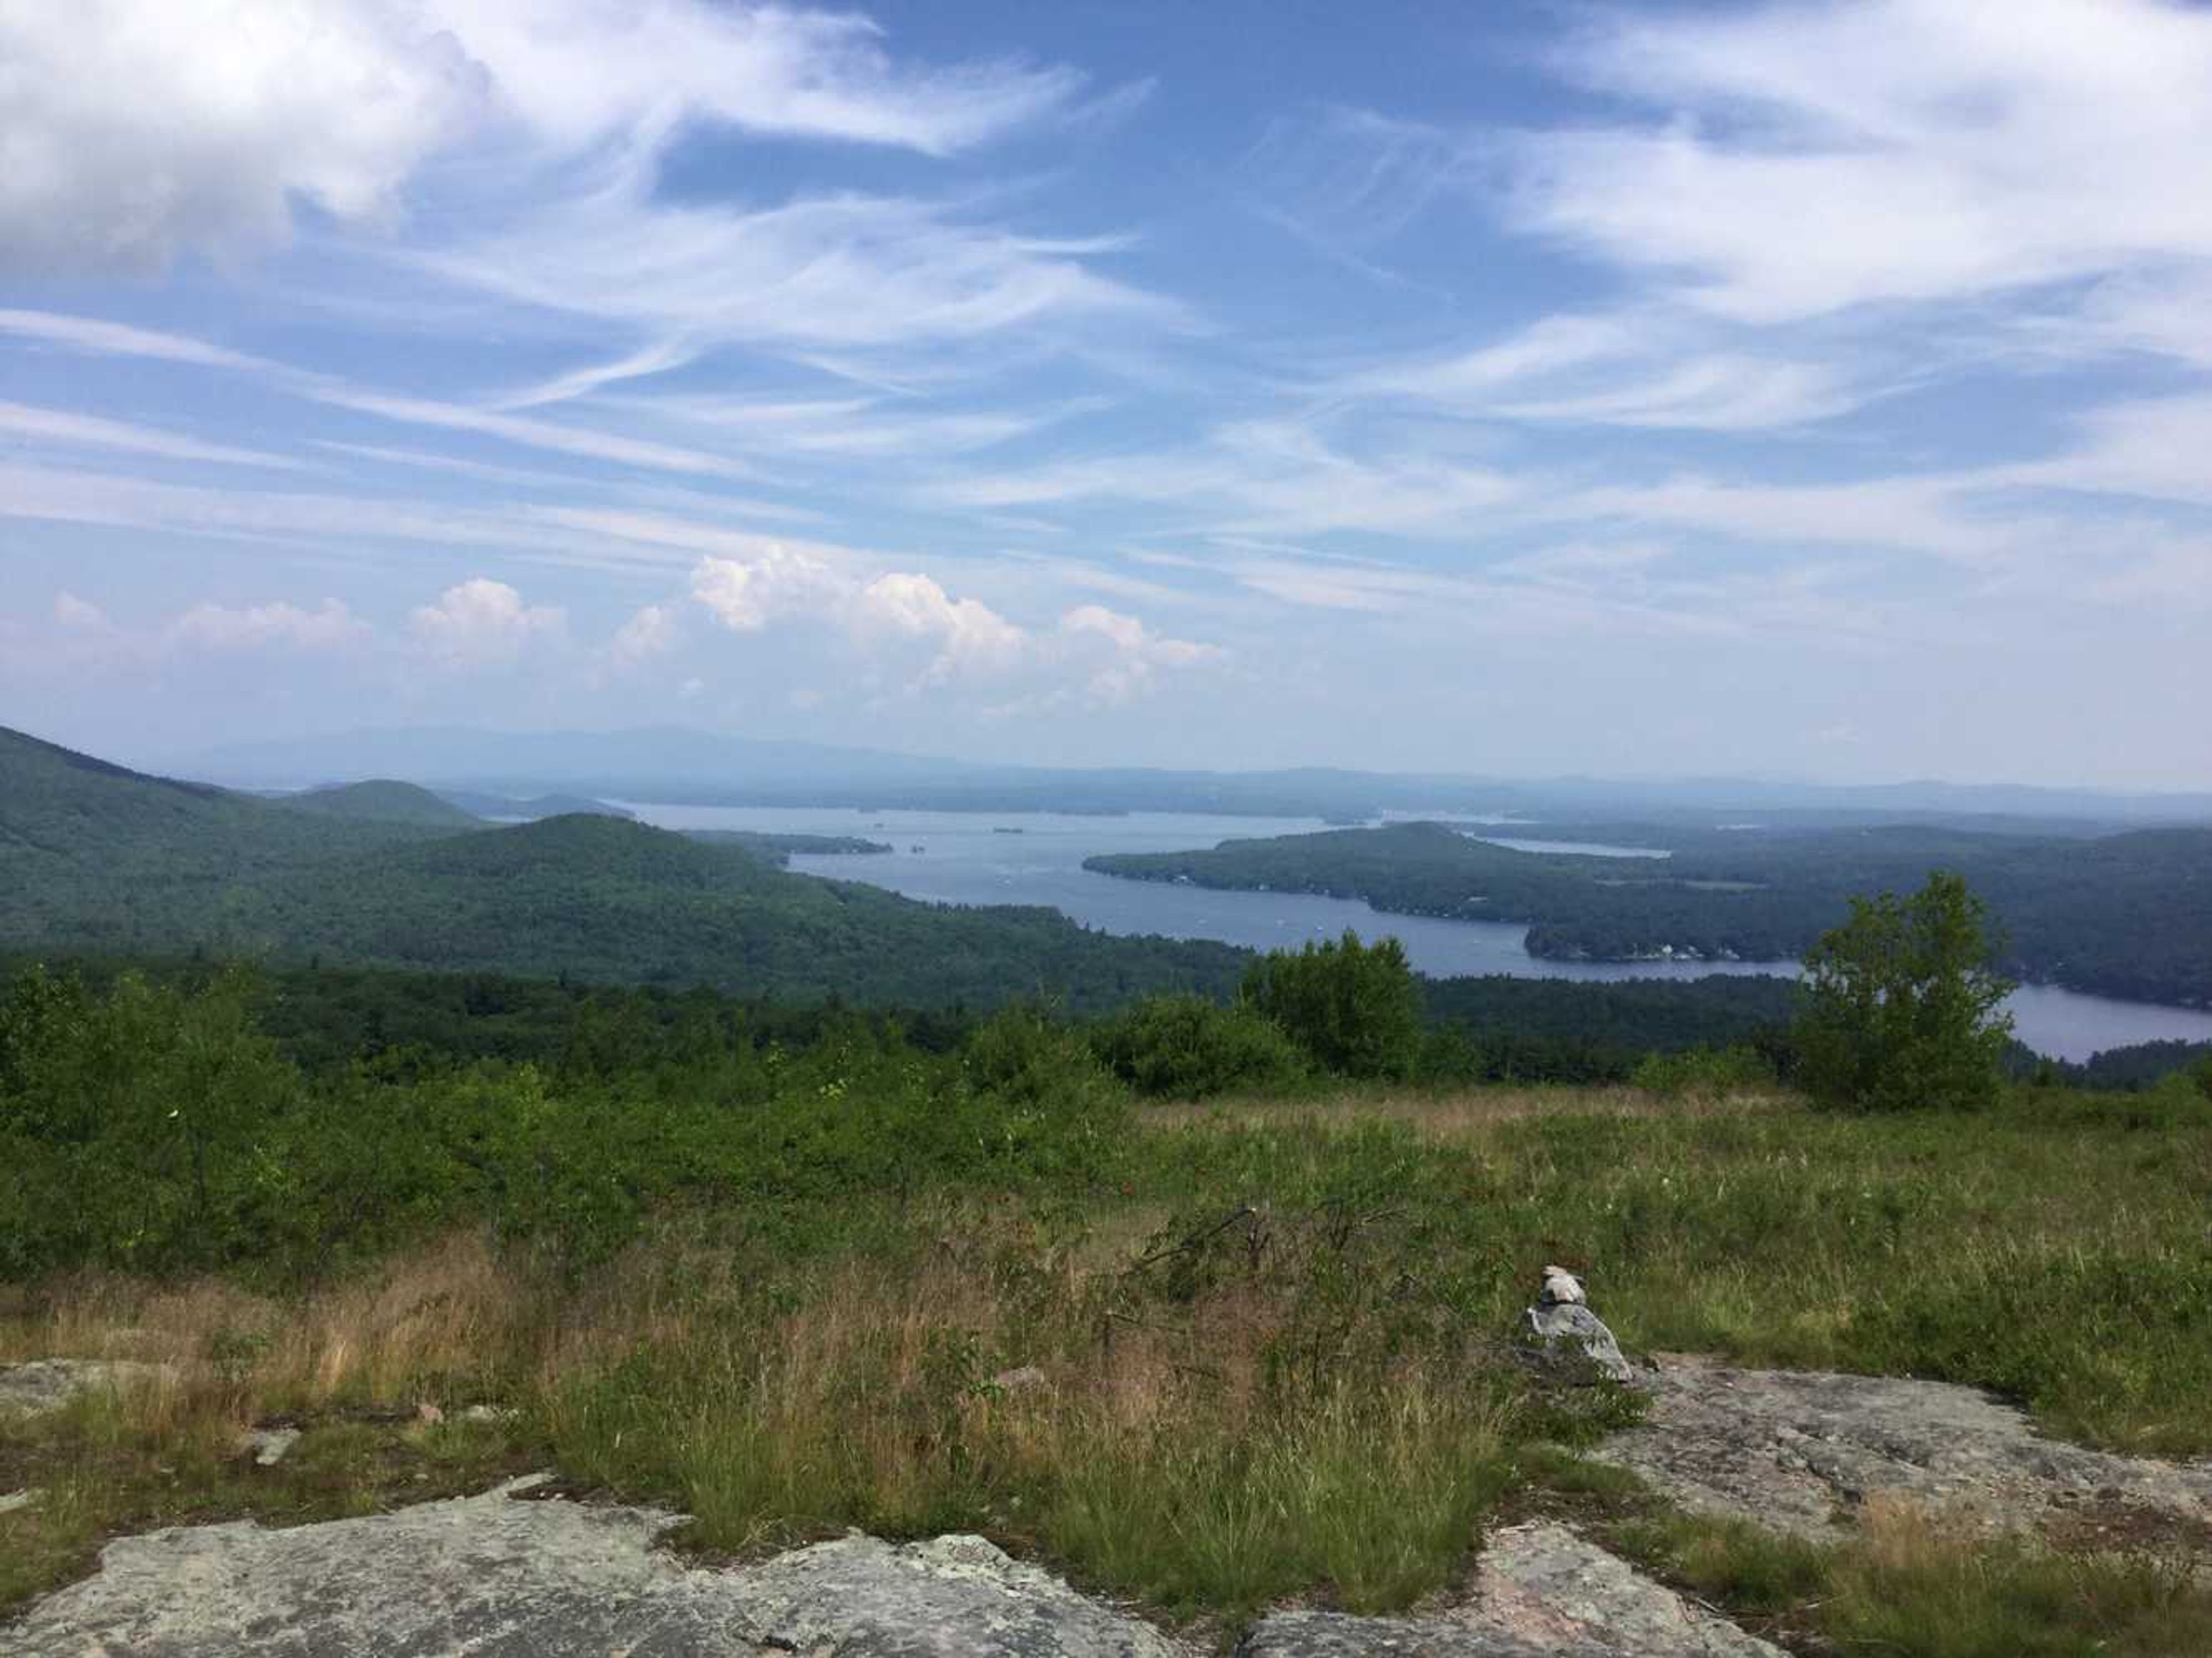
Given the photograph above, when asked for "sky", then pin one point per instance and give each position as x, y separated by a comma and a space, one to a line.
1800, 389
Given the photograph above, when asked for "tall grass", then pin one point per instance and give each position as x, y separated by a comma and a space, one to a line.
1212, 1360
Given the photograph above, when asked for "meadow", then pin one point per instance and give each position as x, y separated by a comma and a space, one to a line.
1210, 1356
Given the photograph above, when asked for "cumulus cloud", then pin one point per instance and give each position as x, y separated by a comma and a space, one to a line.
133, 129
210, 627
482, 623
745, 595
652, 632
966, 636
905, 613
898, 609
1120, 656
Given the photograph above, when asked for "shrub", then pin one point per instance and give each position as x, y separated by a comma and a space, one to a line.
1354, 1008
1704, 1072
1187, 1047
1900, 1008
138, 1124
1024, 1056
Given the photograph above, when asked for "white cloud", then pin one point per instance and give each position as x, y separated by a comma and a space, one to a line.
80, 615
652, 631
237, 110
526, 431
901, 608
133, 129
907, 614
822, 272
966, 636
211, 627
63, 429
482, 623
1815, 155
1121, 657
745, 595
573, 71
95, 338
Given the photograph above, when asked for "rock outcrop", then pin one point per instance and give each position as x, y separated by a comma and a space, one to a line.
1800, 1451
46, 1384
1540, 1592
500, 1576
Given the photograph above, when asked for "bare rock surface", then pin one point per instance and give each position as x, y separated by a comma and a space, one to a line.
1539, 1589
492, 1576
499, 1577
40, 1385
1799, 1451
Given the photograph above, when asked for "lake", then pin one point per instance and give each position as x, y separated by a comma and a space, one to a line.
1036, 858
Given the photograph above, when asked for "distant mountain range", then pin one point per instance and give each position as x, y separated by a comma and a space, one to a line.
676, 764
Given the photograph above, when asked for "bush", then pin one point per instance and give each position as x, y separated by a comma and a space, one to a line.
1023, 1056
1900, 1007
1704, 1072
137, 1126
1187, 1047
1354, 1008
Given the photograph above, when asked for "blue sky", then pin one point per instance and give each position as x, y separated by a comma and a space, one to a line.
1808, 390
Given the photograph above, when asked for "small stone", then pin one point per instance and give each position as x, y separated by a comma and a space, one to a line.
1021, 1379
12, 1501
269, 1445
489, 1413
1561, 1288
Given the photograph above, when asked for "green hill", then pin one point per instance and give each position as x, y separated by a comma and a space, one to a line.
507, 808
94, 858
2127, 914
381, 801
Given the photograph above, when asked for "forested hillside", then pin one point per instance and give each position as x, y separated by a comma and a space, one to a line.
2126, 914
381, 801
97, 859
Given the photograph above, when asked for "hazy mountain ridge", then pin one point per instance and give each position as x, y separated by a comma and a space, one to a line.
700, 768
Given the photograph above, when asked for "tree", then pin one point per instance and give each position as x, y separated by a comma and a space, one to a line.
1900, 1006
1355, 1008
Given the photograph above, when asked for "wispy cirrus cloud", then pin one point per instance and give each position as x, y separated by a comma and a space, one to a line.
1793, 159
61, 429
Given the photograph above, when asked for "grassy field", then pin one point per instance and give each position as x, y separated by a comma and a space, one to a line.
1248, 1353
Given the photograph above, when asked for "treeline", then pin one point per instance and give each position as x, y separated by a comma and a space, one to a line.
1490, 1029
326, 1017
2126, 916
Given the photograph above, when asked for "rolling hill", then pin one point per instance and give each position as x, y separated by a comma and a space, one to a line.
383, 801
2127, 914
94, 858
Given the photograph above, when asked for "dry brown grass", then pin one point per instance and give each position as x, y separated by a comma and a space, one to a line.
1460, 1116
428, 1325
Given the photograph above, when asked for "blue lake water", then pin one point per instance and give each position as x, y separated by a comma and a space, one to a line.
1036, 858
